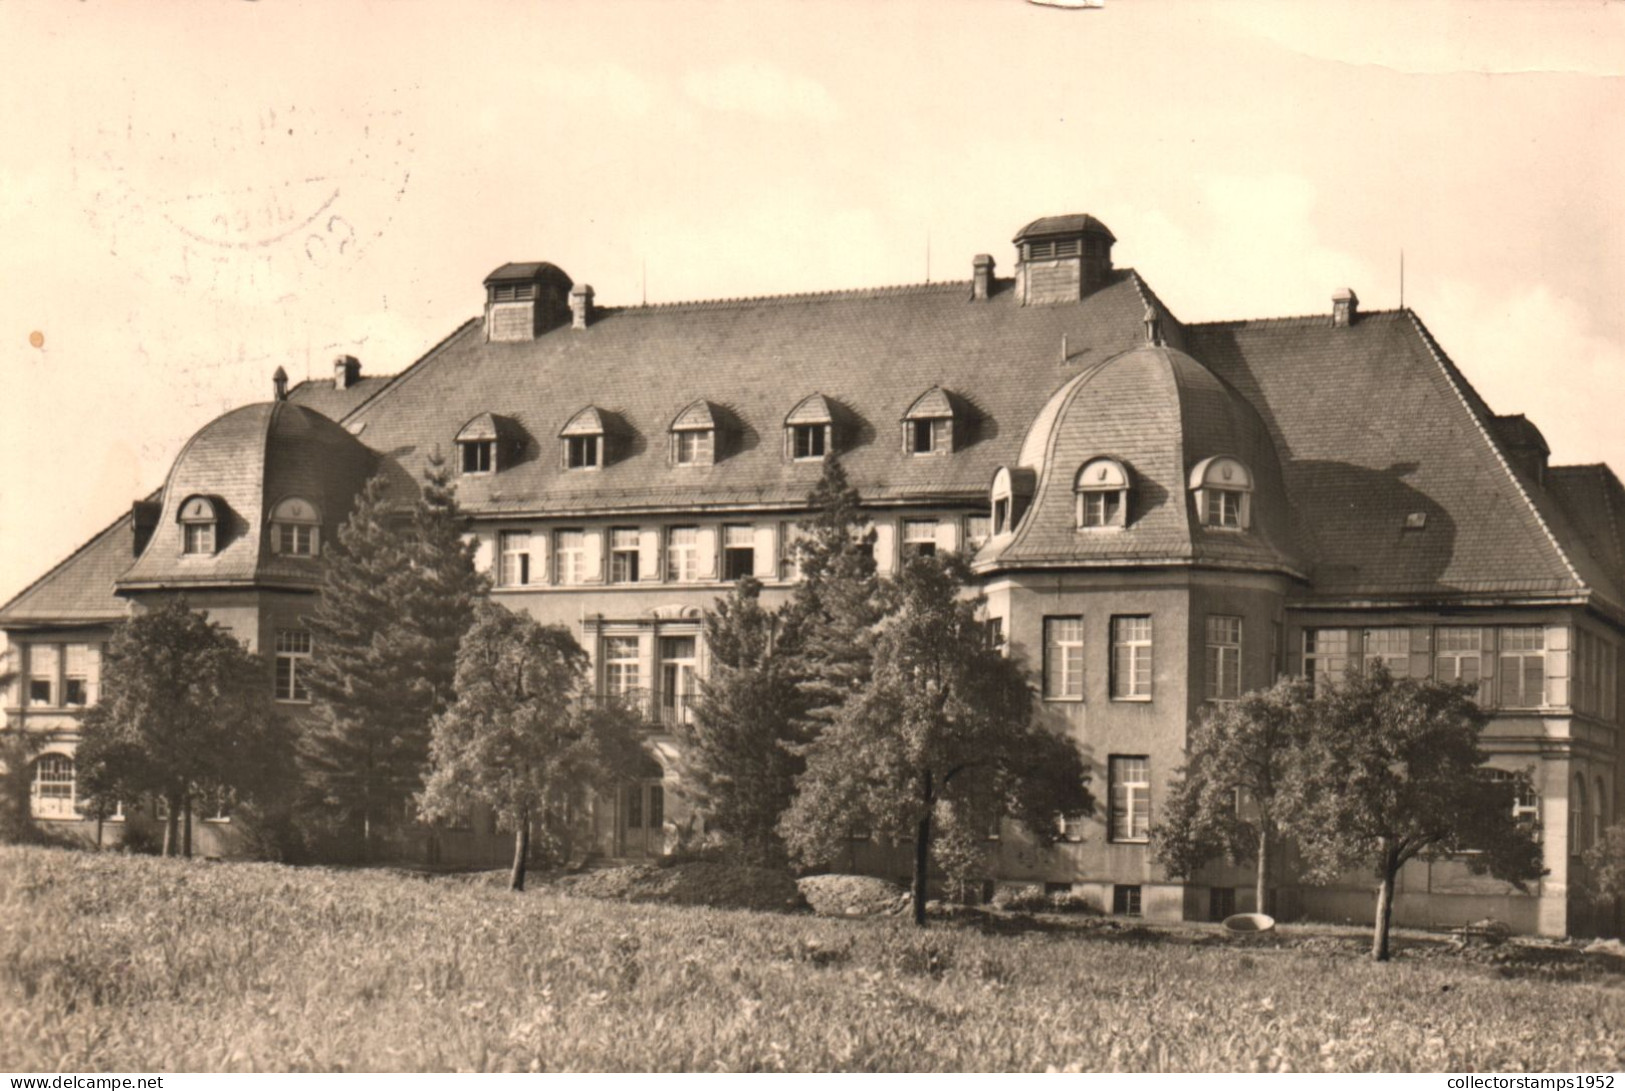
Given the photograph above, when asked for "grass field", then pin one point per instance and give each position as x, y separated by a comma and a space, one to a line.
112, 963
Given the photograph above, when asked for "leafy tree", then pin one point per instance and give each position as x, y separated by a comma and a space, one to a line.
944, 729
738, 766
1392, 771
17, 753
185, 712
519, 738
397, 595
1234, 789
1603, 877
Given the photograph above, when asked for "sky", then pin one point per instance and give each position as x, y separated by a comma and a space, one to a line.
193, 195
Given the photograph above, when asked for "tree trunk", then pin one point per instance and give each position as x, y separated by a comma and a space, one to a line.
186, 829
1385, 905
1262, 890
922, 854
521, 851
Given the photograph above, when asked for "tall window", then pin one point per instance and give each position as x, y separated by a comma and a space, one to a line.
292, 658
624, 552
1523, 666
44, 664
1131, 658
515, 550
978, 529
919, 538
738, 552
1392, 647
1130, 798
1325, 655
683, 554
1001, 515
198, 522
623, 675
1063, 658
679, 657
79, 675
570, 556
581, 452
1458, 654
1223, 658
54, 793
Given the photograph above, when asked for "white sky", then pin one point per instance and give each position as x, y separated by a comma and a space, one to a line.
193, 194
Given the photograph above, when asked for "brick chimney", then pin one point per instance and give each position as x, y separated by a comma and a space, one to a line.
580, 306
279, 384
981, 284
346, 372
1345, 308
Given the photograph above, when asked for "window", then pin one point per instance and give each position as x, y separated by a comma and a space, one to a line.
919, 538
1391, 647
1325, 655
512, 293
295, 528
810, 440
623, 673
1458, 654
678, 659
44, 665
657, 806
930, 437
1130, 798
79, 674
738, 552
623, 555
1048, 249
993, 631
199, 538
1221, 903
54, 793
1001, 515
807, 428
292, 658
1223, 658
479, 457
584, 440
199, 521
570, 556
1223, 489
1223, 508
1525, 801
514, 547
978, 529
1523, 666
1126, 900
1131, 659
694, 448
218, 804
683, 554
581, 452
1063, 658
1102, 494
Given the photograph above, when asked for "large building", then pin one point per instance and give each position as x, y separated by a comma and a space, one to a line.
1162, 515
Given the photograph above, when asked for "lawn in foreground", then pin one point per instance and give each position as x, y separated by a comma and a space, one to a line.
111, 963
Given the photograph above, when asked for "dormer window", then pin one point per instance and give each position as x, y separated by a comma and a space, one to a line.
1223, 490
478, 443
583, 436
296, 528
1011, 492
928, 426
200, 522
1102, 493
694, 436
809, 430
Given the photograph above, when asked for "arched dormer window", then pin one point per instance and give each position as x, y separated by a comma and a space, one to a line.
694, 436
1012, 489
1102, 492
199, 518
1223, 490
809, 430
928, 426
296, 528
583, 440
478, 444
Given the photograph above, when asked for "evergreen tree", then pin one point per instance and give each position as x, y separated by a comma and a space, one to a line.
942, 733
519, 738
397, 595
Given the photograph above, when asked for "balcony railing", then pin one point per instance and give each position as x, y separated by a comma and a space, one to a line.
665, 709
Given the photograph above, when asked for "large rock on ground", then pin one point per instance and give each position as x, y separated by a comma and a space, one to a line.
852, 895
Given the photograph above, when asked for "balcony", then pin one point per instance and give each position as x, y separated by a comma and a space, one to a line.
662, 708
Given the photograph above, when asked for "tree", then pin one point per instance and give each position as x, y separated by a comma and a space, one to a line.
738, 765
397, 595
519, 738
1230, 797
1602, 881
184, 713
943, 731
17, 753
1392, 771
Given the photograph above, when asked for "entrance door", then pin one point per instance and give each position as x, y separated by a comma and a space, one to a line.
678, 659
643, 819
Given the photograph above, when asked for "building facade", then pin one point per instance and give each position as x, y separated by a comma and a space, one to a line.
1161, 515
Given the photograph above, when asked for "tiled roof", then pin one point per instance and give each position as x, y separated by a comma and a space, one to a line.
522, 270
79, 590
324, 396
1069, 224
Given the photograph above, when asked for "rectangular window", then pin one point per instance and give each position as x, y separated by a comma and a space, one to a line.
581, 452
515, 549
808, 440
623, 666
1063, 658
1001, 515
683, 554
55, 788
1325, 655
919, 538
79, 673
477, 457
1130, 798
927, 437
292, 657
993, 627
1223, 508
1126, 900
1102, 507
1131, 658
738, 552
1390, 646
1458, 654
978, 529
44, 664
695, 448
624, 552
199, 538
1223, 658
570, 556
296, 539
1523, 666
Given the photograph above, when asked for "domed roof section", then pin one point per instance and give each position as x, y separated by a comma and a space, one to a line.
242, 465
1073, 223
1158, 413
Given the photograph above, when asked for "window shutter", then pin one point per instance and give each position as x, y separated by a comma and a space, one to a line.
648, 554
592, 556
885, 547
706, 553
767, 552
1422, 651
947, 535
1557, 665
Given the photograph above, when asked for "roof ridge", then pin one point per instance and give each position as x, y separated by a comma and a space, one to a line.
1149, 296
411, 369
1452, 374
1322, 316
918, 288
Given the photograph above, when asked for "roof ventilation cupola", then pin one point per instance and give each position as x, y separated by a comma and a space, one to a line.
523, 300
1061, 259
346, 372
1345, 308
